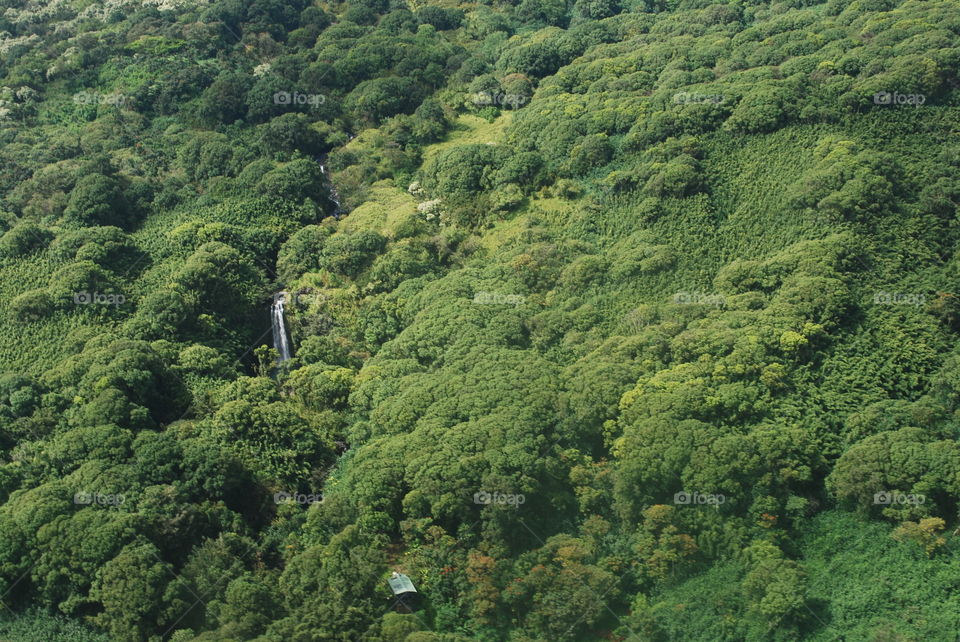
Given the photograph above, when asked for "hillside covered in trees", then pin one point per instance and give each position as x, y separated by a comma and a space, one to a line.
628, 320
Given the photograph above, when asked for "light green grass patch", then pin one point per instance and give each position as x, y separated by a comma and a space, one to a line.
386, 207
470, 130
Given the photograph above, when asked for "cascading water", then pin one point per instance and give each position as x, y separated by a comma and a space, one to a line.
333, 196
280, 339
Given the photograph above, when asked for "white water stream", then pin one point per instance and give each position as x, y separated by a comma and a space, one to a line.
280, 339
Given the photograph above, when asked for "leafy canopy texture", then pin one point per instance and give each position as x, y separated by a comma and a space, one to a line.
610, 320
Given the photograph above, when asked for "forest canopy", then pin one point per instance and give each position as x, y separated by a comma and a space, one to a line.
609, 320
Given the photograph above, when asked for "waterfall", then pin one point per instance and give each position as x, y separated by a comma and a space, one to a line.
280, 340
333, 196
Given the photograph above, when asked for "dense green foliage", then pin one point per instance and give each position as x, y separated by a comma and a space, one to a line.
640, 324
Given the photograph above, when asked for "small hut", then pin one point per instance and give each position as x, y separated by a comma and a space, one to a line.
407, 598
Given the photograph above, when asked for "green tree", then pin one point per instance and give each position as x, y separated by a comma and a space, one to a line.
288, 133
774, 588
301, 253
597, 9
225, 100
137, 594
24, 239
97, 200
925, 533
